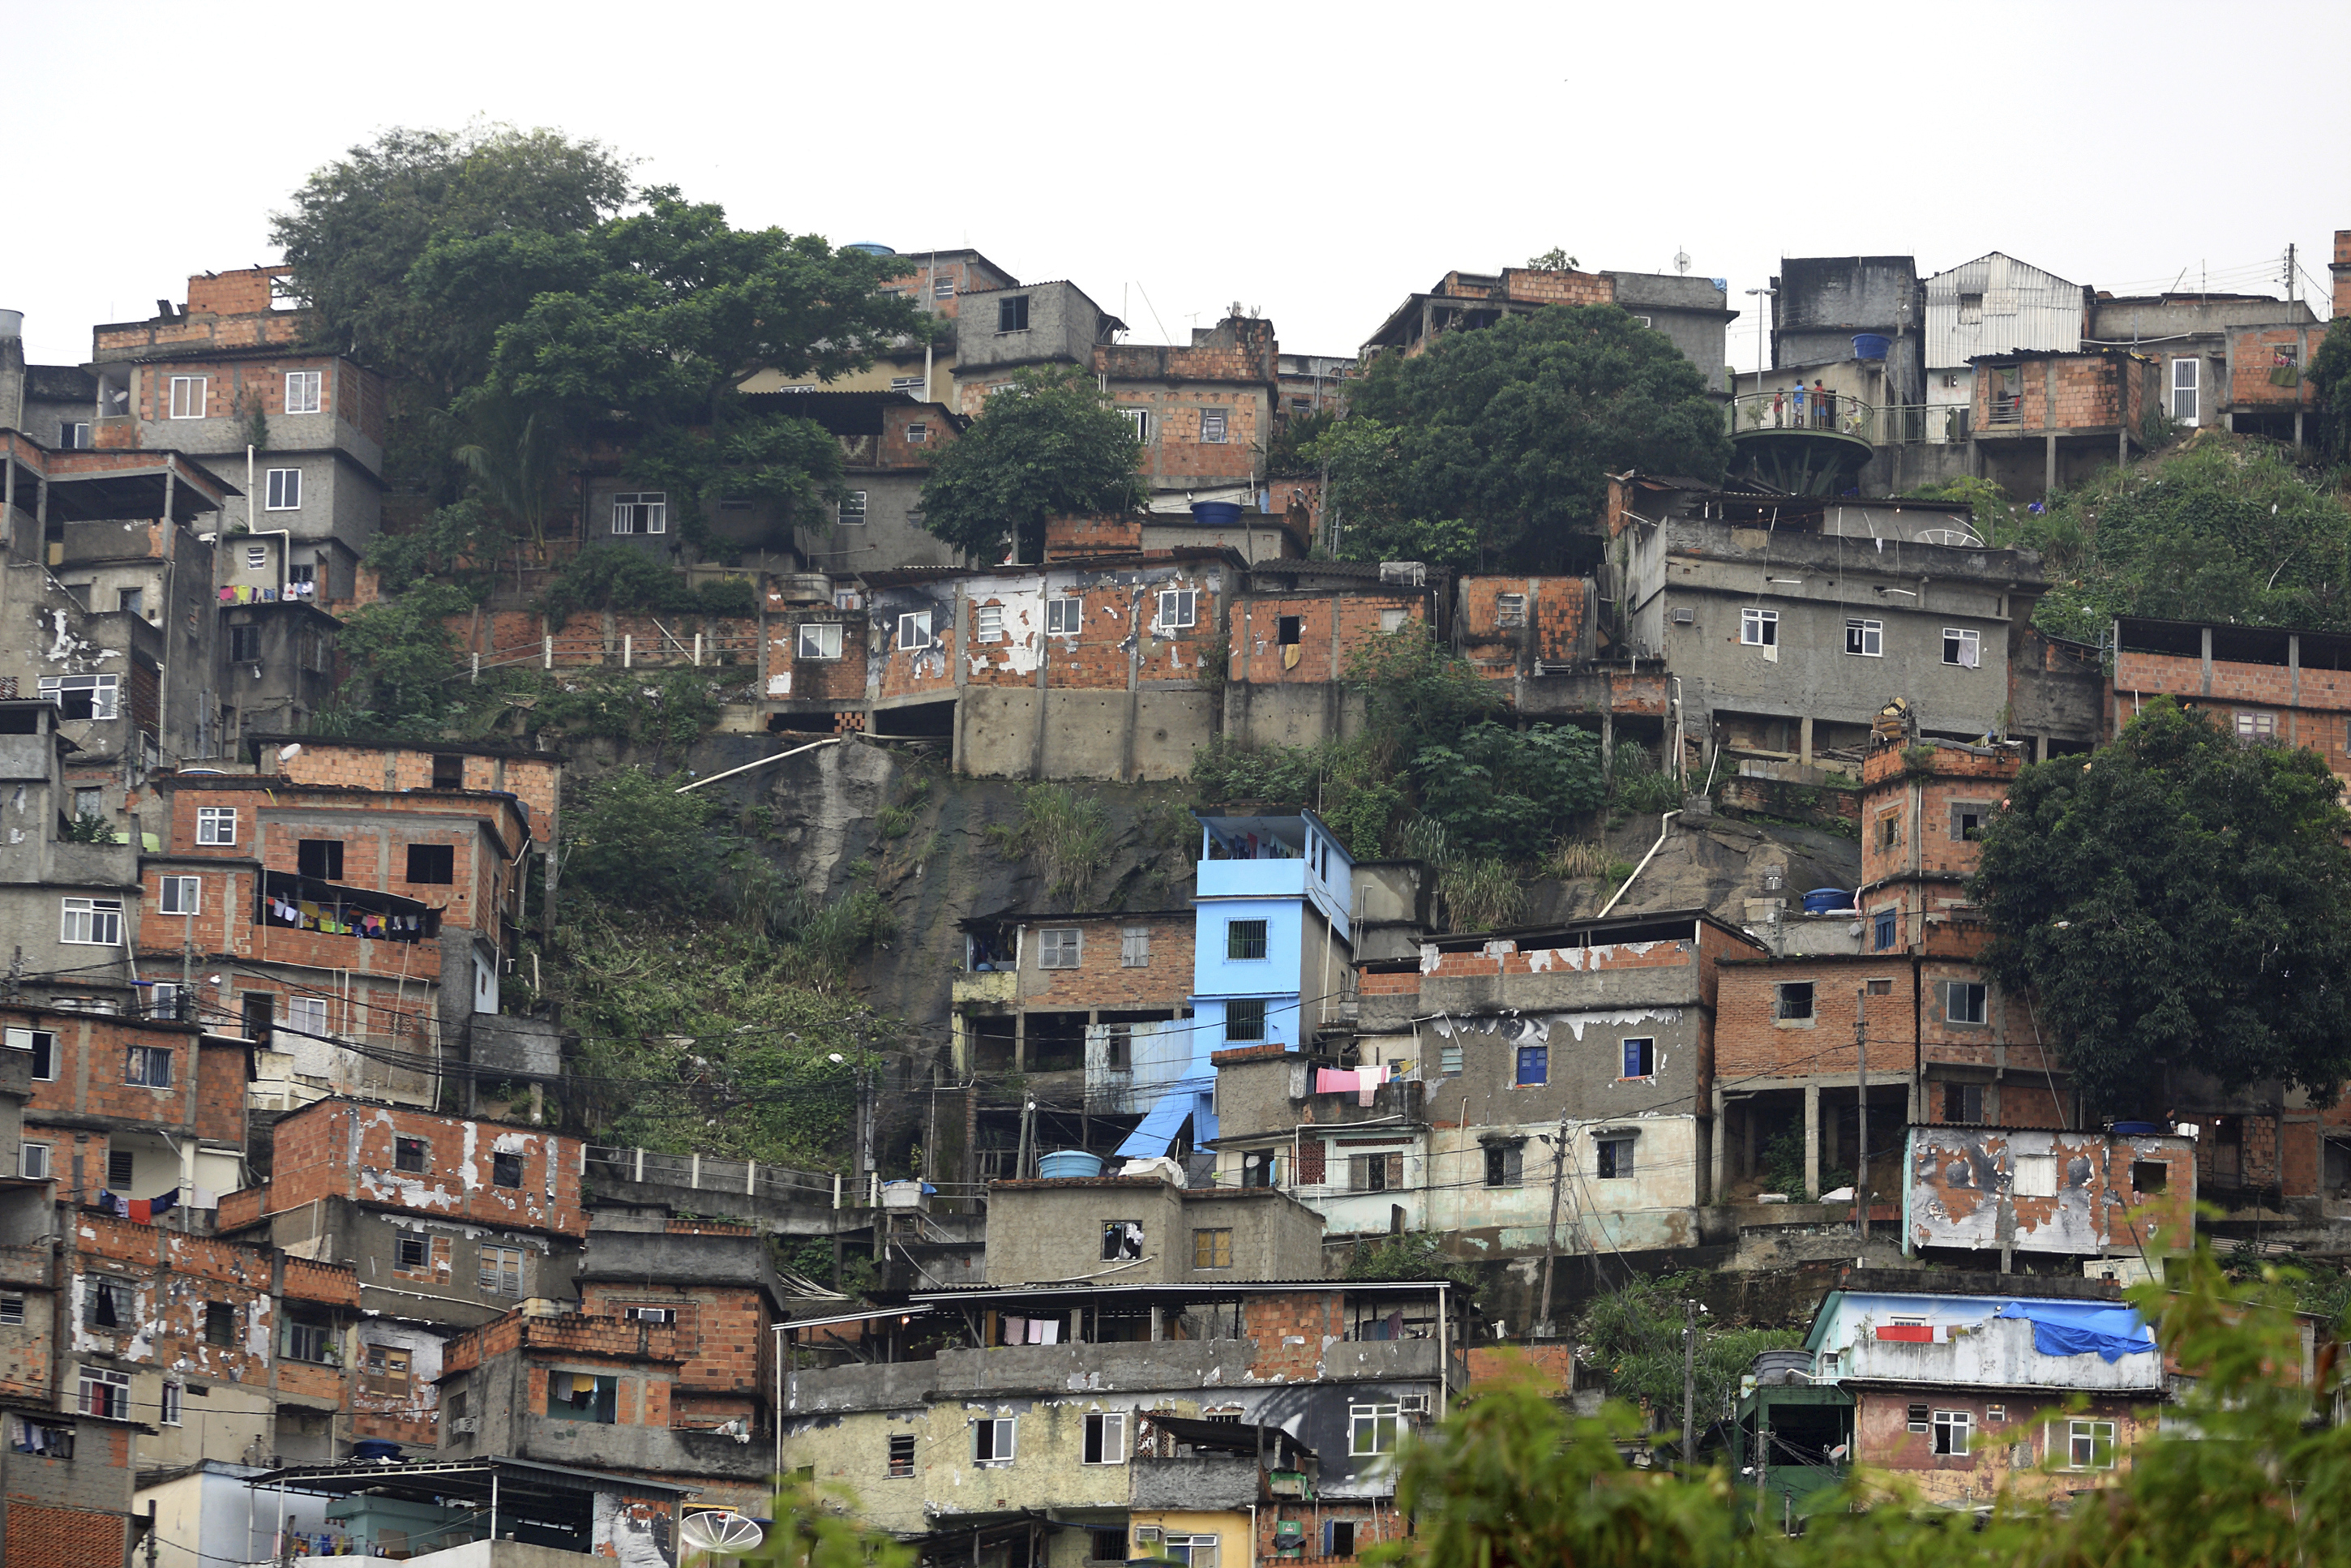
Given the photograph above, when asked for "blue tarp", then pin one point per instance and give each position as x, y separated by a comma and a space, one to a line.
1158, 1129
2079, 1328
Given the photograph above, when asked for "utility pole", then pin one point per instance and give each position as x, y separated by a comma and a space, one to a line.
1551, 1235
2289, 272
1861, 1161
1690, 1384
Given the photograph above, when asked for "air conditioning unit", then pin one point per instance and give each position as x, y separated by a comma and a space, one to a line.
1146, 1535
1414, 1405
464, 1426
1685, 617
1405, 573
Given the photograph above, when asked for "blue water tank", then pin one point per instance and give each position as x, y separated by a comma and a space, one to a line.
1827, 900
869, 247
1216, 514
2141, 1130
1871, 345
1063, 1163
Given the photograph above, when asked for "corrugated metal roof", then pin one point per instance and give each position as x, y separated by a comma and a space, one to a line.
1996, 304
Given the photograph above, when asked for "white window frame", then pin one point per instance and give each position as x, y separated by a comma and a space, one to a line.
895, 1468
105, 692
307, 1016
1509, 610
1759, 628
850, 513
217, 825
915, 631
180, 896
35, 1161
988, 623
256, 558
1952, 1427
1179, 610
2080, 1432
1003, 1441
283, 490
1953, 990
1061, 947
1865, 638
1139, 419
1106, 1434
910, 385
1626, 1161
1193, 1551
99, 922
1064, 616
641, 512
188, 394
73, 435
1373, 1429
1958, 642
114, 1389
29, 1039
814, 643
168, 1411
650, 1314
2186, 389
1216, 426
1134, 947
304, 389
147, 1066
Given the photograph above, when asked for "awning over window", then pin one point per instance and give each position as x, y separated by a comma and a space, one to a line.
294, 903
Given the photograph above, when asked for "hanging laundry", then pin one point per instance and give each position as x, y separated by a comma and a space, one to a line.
165, 1204
1333, 1080
1016, 1329
1368, 1083
142, 1212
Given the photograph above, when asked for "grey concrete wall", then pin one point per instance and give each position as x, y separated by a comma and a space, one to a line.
1824, 300
1127, 1367
1275, 1237
1041, 1231
1086, 730
1692, 313
1201, 1482
890, 537
367, 1239
1064, 324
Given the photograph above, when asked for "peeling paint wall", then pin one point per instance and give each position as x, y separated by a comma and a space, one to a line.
2033, 1190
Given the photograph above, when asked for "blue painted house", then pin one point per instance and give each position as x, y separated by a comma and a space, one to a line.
1270, 956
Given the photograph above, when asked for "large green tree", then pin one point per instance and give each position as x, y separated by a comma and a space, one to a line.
2179, 901
657, 318
356, 230
2330, 379
1515, 428
1047, 446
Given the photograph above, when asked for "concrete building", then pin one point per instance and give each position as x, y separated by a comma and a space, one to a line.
1993, 305
1819, 304
469, 1219
1147, 1229
962, 1439
493, 1511
227, 378
1580, 1061
2127, 1193
1205, 412
1953, 1385
2204, 348
1000, 330
1298, 626
1693, 313
71, 904
1789, 622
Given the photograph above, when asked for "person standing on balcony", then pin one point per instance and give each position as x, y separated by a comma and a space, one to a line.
1800, 405
1779, 408
1824, 406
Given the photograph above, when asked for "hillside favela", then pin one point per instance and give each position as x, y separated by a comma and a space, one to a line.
680, 893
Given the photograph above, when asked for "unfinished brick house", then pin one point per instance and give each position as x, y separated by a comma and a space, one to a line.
1205, 412
1694, 313
357, 901
2045, 420
1297, 626
132, 1105
937, 281
1107, 655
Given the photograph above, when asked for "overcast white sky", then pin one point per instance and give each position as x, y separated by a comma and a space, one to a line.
1316, 161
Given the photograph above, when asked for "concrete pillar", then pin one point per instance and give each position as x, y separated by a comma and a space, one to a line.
1804, 740
1812, 1142
1607, 744
2048, 466
1719, 1153
2297, 427
1020, 1042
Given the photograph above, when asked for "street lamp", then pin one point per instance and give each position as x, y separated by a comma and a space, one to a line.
1759, 326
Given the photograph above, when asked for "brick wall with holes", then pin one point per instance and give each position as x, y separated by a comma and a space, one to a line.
342, 1148
42, 1537
1102, 978
1287, 637
1093, 536
175, 1283
1507, 623
1751, 1040
226, 311
2256, 352
1914, 823
1288, 1333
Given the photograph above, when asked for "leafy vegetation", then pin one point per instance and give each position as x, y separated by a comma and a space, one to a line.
1410, 1255
1634, 1335
1495, 446
2222, 528
2178, 899
2330, 381
1048, 445
1063, 834
2243, 1472
617, 576
85, 828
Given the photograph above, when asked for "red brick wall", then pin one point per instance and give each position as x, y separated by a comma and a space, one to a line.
63, 1537
314, 1160
1921, 806
1288, 1333
1554, 623
721, 1333
91, 1055
1750, 1040
1259, 654
1565, 288
1101, 980
2252, 354
1067, 537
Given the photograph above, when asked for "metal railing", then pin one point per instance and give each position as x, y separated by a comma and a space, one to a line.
665, 650
744, 1178
1894, 424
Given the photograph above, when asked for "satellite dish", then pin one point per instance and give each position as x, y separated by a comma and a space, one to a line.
720, 1530
289, 753
1681, 261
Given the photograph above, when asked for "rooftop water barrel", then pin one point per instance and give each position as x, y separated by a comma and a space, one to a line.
1216, 514
2141, 1130
1065, 1163
1827, 900
1871, 345
12, 323
869, 247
